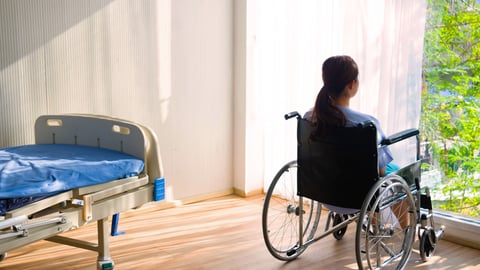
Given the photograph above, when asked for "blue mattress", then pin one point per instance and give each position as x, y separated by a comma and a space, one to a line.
32, 172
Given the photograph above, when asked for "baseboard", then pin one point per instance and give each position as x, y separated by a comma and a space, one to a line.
204, 197
164, 204
244, 194
459, 230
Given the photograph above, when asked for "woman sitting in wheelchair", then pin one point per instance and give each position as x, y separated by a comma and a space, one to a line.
340, 79
336, 167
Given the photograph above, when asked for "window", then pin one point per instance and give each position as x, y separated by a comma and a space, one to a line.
450, 120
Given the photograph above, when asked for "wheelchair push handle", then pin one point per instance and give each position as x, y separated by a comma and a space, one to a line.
399, 136
292, 114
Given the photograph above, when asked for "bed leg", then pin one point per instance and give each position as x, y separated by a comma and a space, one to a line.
104, 262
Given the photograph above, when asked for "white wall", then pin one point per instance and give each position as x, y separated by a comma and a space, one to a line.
198, 150
166, 64
185, 68
248, 161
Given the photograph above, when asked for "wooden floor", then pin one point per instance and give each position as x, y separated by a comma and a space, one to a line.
222, 233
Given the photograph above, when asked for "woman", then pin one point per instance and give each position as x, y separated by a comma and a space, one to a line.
340, 79
332, 108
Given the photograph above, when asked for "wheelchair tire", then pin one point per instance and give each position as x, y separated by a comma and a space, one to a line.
381, 242
428, 242
337, 219
281, 216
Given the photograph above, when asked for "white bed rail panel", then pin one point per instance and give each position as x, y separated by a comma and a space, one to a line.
90, 131
104, 132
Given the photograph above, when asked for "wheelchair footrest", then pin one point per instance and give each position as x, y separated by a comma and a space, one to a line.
439, 233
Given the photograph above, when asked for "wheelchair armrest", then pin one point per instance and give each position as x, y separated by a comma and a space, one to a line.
399, 136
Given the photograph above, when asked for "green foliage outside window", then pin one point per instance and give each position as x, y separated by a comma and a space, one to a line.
450, 121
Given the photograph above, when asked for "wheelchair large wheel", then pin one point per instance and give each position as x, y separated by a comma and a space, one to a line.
281, 216
381, 240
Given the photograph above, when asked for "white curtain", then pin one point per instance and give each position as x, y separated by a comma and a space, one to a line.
293, 38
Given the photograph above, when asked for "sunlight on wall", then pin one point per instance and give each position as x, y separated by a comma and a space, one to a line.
155, 62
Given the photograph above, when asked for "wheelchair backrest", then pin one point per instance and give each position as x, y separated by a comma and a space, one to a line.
338, 166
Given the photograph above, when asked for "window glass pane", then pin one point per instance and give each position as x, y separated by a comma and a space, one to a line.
450, 105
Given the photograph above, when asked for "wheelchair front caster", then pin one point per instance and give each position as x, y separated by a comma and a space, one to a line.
337, 219
428, 242
3, 256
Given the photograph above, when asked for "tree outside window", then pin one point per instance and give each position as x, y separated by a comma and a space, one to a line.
450, 121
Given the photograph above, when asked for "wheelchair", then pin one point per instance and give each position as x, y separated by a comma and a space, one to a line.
337, 171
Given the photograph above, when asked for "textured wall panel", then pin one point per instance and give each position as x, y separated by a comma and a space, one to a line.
115, 57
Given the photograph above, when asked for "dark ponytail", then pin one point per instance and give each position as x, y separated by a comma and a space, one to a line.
337, 73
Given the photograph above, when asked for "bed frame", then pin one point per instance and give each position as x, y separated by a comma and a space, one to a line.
46, 219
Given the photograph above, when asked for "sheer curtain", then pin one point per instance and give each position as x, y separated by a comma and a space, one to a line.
293, 38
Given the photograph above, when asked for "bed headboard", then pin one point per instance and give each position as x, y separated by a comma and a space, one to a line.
104, 132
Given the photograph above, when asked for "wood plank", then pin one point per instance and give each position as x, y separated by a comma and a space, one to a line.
220, 233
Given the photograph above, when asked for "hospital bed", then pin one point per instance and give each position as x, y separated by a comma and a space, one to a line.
81, 169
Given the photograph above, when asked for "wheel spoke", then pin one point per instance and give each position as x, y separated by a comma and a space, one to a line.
383, 242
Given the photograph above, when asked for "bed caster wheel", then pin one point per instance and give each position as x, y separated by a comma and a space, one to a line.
428, 242
105, 265
337, 219
3, 256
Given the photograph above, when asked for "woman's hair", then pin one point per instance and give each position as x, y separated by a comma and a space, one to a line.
337, 72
